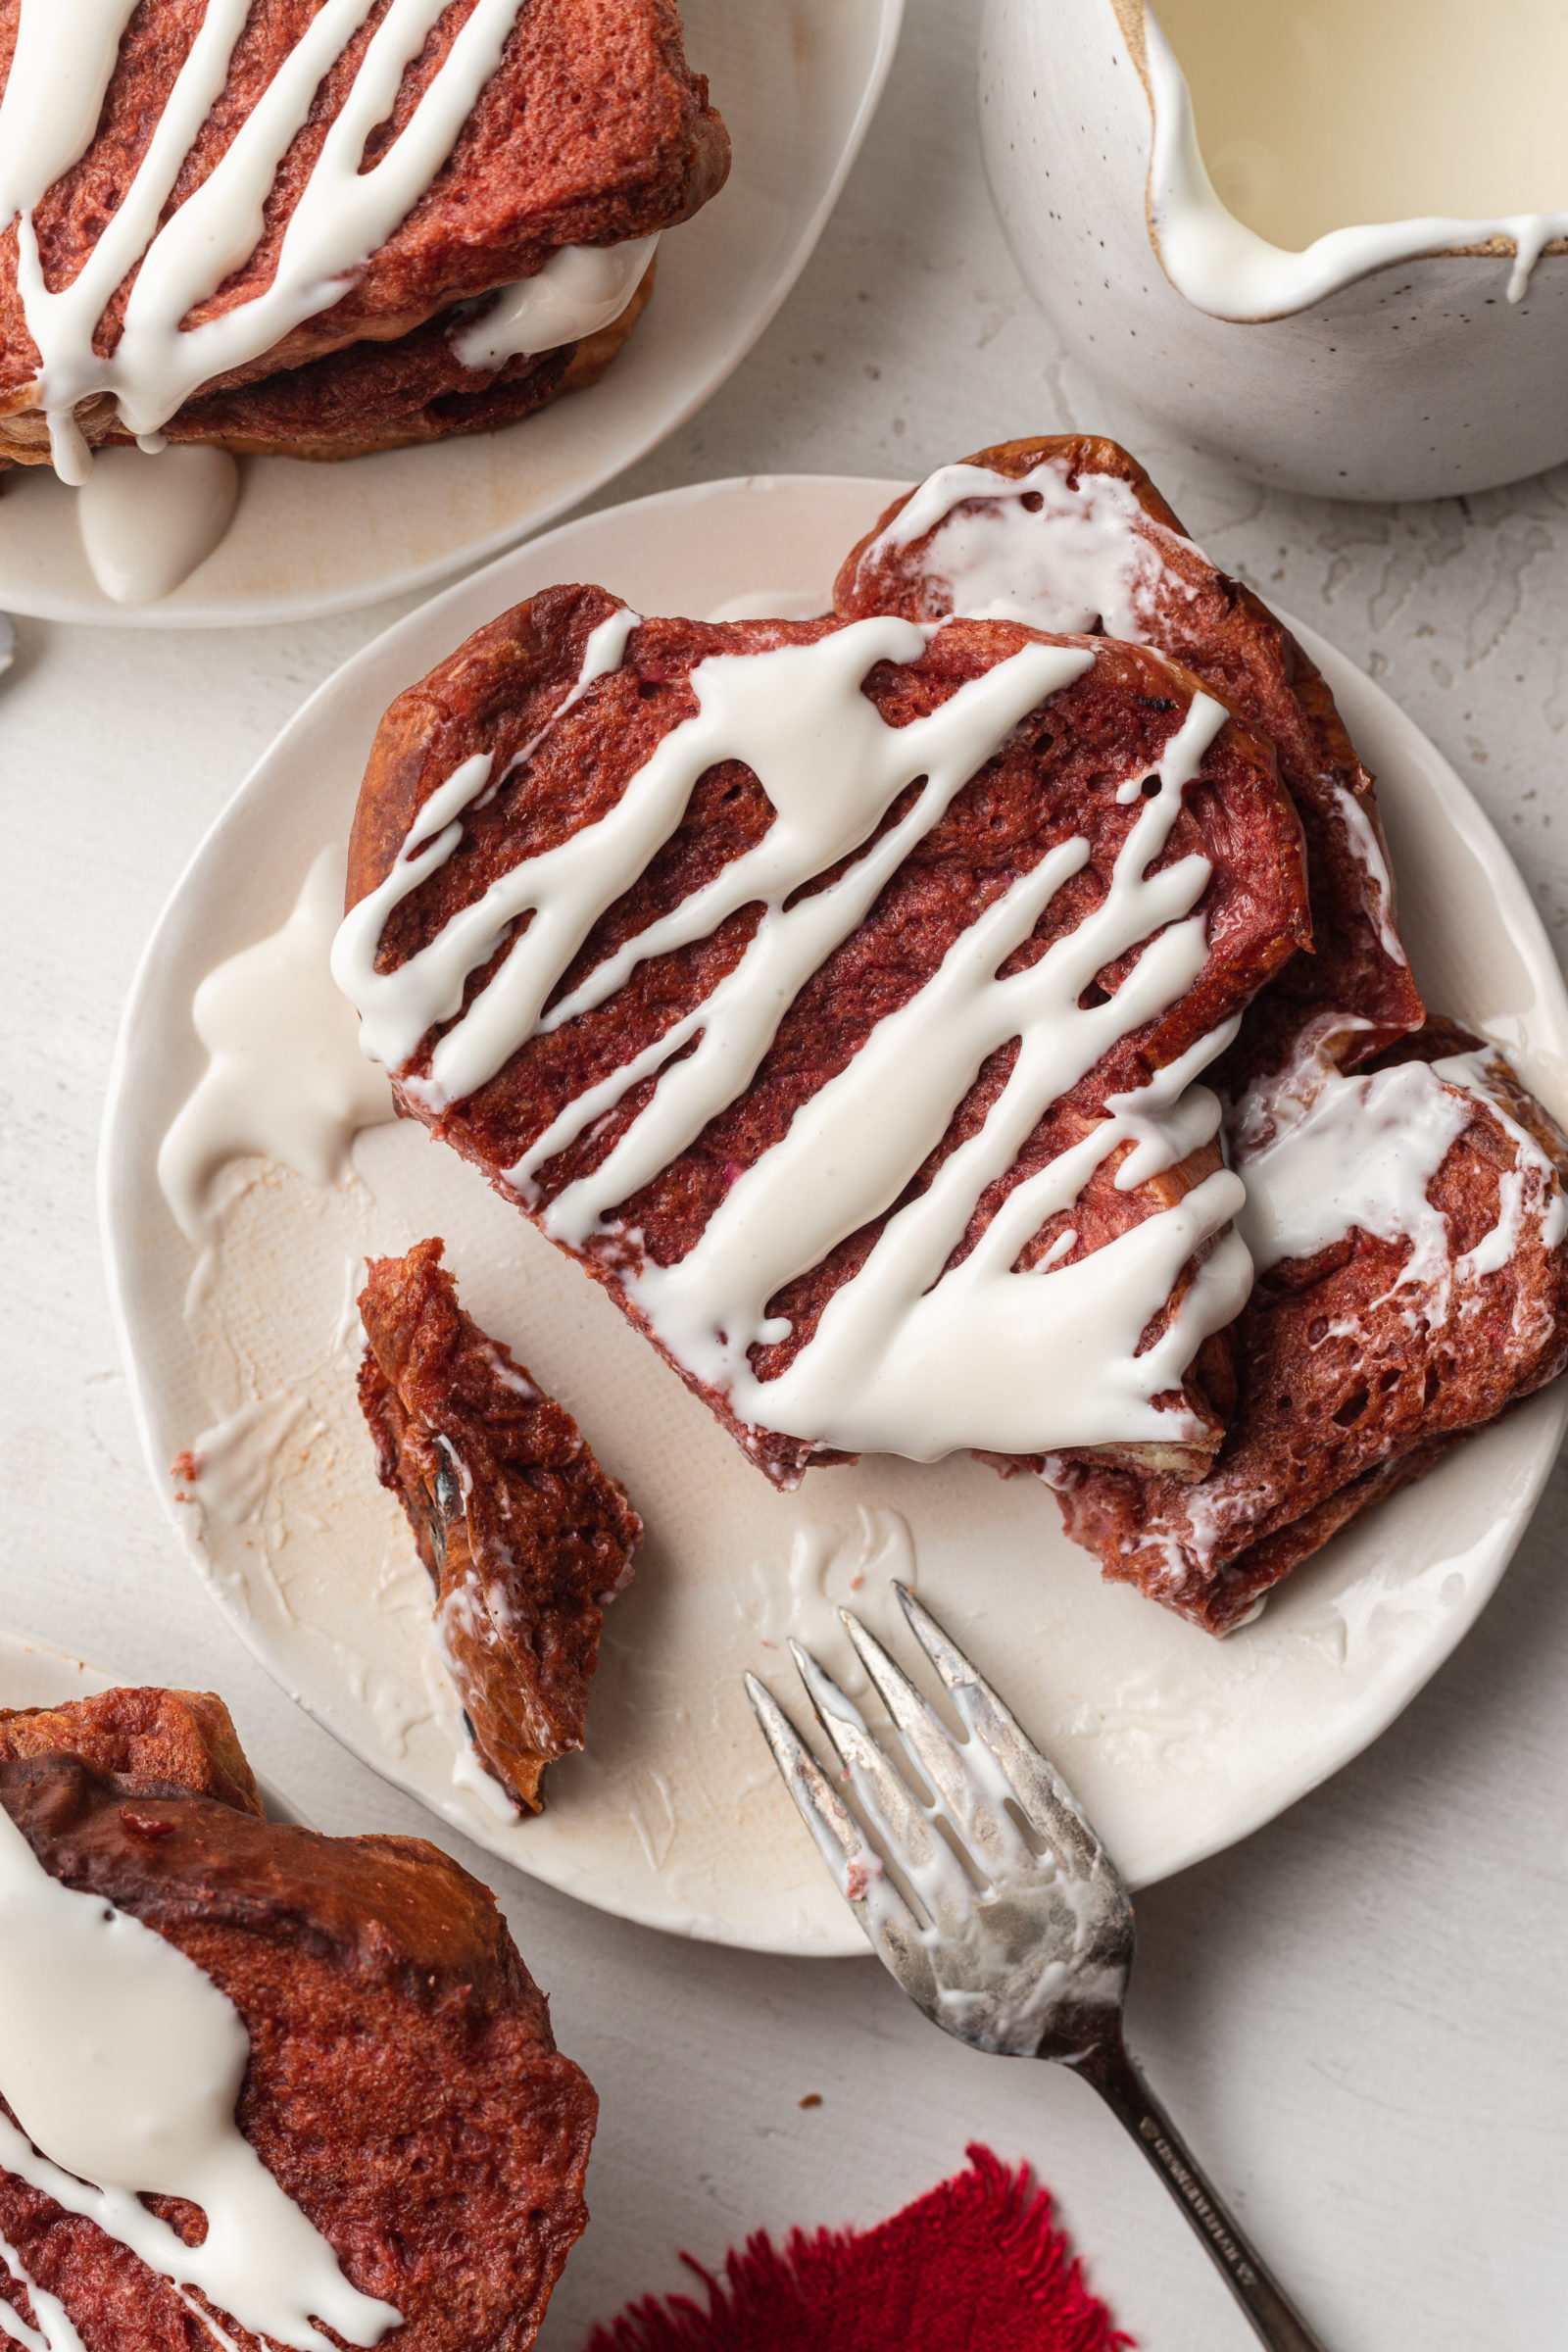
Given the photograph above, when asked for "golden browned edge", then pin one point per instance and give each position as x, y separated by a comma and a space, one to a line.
25, 426
89, 1726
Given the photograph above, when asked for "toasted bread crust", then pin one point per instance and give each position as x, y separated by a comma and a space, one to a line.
148, 1739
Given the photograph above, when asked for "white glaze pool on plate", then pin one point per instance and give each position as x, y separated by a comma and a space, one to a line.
1177, 1743
146, 523
797, 82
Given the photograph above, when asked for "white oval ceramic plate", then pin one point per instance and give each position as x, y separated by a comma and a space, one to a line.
1176, 1743
34, 1674
797, 82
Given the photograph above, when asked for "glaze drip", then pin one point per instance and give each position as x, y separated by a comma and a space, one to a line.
579, 290
285, 1080
148, 522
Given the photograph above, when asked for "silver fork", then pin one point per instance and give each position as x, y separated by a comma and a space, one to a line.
1026, 1941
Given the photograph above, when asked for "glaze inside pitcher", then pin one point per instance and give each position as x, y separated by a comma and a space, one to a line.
1318, 115
1373, 148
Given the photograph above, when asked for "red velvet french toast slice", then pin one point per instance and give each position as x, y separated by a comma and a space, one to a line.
1407, 1223
526, 1539
833, 992
1069, 532
397, 2113
274, 227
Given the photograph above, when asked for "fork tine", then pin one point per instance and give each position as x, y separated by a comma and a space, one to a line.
904, 1826
858, 1869
985, 1827
1043, 1797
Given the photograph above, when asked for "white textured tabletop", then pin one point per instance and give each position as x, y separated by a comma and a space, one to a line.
1360, 2016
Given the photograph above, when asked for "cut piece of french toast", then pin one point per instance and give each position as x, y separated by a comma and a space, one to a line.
1408, 1224
527, 1541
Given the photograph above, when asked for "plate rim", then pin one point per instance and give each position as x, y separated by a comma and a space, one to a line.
1462, 812
279, 610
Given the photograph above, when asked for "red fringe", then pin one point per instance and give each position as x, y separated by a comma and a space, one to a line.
976, 2265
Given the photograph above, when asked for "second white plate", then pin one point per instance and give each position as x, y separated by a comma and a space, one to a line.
1177, 1743
797, 82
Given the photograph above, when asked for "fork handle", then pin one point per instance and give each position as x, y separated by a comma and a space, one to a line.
1275, 2318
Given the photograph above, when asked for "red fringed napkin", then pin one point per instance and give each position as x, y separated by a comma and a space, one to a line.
974, 2265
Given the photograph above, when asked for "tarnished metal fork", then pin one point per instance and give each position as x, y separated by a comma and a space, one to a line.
1026, 1939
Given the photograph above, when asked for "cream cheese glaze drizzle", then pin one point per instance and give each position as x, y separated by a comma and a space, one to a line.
1351, 1151
1036, 549
1321, 1154
1364, 844
59, 72
60, 76
905, 1357
1077, 559
121, 2062
54, 2331
1533, 1184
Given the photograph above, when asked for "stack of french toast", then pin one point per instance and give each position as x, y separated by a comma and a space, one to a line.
316, 234
975, 1019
